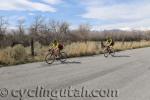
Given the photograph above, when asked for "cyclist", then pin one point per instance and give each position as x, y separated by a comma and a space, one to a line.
109, 42
108, 47
56, 47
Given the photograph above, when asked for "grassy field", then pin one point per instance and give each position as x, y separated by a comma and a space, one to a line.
19, 54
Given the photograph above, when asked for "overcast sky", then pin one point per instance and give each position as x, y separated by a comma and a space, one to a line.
101, 14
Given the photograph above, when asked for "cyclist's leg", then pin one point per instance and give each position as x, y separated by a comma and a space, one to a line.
108, 48
57, 51
52, 50
111, 48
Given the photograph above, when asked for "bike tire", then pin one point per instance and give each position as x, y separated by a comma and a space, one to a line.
112, 53
106, 53
63, 57
50, 58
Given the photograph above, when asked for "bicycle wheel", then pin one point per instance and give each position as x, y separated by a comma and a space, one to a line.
63, 57
112, 52
50, 58
106, 53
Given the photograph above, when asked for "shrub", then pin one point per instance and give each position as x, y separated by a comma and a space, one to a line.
5, 57
19, 53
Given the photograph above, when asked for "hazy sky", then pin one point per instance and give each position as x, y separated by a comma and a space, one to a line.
101, 14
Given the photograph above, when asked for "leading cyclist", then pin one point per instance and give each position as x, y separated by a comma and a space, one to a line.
56, 47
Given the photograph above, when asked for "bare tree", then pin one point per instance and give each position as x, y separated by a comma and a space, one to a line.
3, 25
64, 31
59, 30
64, 27
54, 26
3, 29
21, 25
37, 24
35, 29
84, 30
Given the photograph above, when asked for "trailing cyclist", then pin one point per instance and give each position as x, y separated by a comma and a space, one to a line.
109, 42
108, 47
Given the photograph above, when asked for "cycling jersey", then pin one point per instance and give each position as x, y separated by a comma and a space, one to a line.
55, 45
109, 41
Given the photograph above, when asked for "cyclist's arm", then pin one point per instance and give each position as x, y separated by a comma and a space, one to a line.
107, 43
51, 46
111, 42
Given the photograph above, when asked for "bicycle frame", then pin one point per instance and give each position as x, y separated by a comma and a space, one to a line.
56, 56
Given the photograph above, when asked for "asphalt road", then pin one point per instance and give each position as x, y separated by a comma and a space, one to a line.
123, 77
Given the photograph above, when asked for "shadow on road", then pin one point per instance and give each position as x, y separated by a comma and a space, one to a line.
72, 62
48, 65
121, 56
59, 63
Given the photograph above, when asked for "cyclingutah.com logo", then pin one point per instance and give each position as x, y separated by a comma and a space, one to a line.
52, 94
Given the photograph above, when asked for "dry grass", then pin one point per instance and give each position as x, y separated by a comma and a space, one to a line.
5, 57
19, 54
15, 55
82, 49
91, 48
130, 45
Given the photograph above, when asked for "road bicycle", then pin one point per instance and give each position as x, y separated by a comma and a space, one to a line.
53, 56
109, 51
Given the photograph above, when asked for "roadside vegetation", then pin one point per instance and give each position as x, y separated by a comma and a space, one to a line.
30, 43
20, 54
